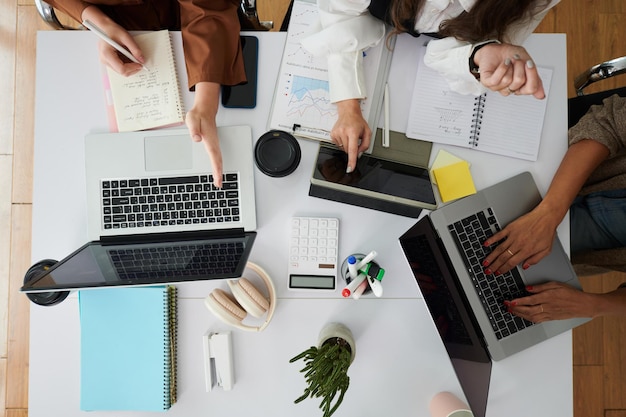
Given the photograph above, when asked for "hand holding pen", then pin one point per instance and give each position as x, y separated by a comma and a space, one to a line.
110, 49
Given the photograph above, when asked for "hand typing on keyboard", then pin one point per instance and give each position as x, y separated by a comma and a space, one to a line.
524, 241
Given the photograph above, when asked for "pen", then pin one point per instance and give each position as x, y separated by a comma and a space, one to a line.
386, 117
366, 260
95, 29
359, 290
352, 267
347, 291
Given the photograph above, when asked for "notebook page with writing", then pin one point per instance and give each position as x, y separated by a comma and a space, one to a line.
127, 348
512, 125
437, 114
509, 126
147, 99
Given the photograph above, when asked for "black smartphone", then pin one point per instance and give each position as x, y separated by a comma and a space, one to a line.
244, 95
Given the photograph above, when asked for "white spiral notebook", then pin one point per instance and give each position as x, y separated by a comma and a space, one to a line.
150, 98
509, 126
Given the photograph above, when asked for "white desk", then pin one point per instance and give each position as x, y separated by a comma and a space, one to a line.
400, 356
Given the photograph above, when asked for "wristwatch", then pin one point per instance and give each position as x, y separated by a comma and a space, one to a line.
474, 69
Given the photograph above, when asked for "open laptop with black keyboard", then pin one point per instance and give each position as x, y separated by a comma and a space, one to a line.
155, 215
468, 233
455, 234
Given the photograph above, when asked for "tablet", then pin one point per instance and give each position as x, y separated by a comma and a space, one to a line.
375, 178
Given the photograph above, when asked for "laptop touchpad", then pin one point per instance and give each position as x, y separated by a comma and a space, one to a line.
165, 153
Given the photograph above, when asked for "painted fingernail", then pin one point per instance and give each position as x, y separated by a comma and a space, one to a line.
507, 303
526, 266
488, 271
530, 63
485, 263
348, 170
498, 272
516, 56
507, 62
486, 243
529, 287
512, 303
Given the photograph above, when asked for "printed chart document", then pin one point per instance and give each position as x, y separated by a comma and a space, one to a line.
509, 126
301, 100
150, 98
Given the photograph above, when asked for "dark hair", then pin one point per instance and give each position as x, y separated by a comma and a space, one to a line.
488, 19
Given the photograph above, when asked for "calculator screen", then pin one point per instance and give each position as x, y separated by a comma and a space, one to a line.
312, 282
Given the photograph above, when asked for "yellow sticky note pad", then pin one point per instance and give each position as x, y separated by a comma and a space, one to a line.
454, 181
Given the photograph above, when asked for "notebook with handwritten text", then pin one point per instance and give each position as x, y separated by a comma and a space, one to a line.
509, 126
128, 348
150, 98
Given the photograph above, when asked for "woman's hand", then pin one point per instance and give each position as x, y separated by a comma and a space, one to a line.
351, 132
200, 121
508, 69
524, 241
109, 55
554, 301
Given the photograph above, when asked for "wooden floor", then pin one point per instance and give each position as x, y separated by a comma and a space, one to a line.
596, 32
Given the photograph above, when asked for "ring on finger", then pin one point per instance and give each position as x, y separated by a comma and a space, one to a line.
510, 253
541, 305
511, 91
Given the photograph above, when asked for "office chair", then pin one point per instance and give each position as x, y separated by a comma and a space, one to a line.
596, 261
248, 17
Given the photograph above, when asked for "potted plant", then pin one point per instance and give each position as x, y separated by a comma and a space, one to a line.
326, 366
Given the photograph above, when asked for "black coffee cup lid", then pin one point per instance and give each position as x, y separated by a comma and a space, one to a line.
277, 153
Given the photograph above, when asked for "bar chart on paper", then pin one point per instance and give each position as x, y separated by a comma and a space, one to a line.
302, 100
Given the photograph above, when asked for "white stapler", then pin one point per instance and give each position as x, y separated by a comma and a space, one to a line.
218, 361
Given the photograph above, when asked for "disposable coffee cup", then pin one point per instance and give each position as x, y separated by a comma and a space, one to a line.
446, 404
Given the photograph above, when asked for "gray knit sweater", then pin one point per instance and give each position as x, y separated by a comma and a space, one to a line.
606, 124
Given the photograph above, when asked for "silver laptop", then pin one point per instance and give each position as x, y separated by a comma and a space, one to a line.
445, 252
161, 181
154, 215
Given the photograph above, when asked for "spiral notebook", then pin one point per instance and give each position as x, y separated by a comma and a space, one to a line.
150, 98
509, 126
128, 348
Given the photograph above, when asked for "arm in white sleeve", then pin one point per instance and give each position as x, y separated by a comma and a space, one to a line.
347, 28
450, 57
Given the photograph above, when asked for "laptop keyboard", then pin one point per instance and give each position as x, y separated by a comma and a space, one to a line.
181, 260
469, 235
169, 201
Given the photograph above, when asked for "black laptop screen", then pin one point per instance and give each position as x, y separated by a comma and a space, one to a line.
437, 282
141, 263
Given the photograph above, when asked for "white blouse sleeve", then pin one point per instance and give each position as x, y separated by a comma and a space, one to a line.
346, 28
450, 57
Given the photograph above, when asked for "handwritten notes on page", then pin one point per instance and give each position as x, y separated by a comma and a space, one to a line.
509, 126
151, 98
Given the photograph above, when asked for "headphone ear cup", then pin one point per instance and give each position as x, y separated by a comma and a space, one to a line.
224, 307
249, 297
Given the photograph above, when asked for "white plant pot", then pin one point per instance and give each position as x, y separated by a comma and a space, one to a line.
338, 330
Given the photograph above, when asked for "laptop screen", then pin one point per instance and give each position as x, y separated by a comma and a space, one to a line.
99, 264
450, 312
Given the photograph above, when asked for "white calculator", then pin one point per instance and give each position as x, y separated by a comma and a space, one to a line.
313, 253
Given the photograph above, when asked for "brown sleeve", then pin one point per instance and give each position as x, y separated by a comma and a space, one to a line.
210, 30
605, 124
73, 8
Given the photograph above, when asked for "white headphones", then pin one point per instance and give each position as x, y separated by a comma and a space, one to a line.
247, 299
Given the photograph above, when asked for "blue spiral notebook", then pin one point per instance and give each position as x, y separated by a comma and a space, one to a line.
128, 348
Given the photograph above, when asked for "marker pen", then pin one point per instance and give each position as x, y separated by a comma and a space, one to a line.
366, 260
352, 271
359, 290
375, 285
347, 291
